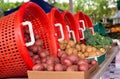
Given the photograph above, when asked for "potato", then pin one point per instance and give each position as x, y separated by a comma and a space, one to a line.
83, 50
86, 54
78, 47
83, 46
102, 50
72, 68
88, 49
68, 46
94, 49
71, 43
82, 56
62, 47
59, 67
38, 67
98, 53
50, 67
75, 51
92, 54
69, 51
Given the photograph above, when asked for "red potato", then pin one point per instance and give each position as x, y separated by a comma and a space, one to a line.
59, 67
33, 48
37, 36
37, 61
67, 62
38, 67
42, 54
50, 67
45, 66
93, 62
50, 62
56, 60
35, 57
39, 42
60, 53
40, 49
72, 68
82, 61
31, 53
83, 67
43, 60
73, 58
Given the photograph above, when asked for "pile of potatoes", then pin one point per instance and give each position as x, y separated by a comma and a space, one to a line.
82, 50
44, 61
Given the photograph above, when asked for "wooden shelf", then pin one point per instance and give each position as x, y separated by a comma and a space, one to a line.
110, 56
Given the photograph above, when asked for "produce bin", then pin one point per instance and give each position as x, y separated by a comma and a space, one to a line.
14, 57
100, 59
71, 25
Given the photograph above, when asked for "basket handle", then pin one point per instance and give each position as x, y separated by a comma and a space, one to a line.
82, 21
61, 31
81, 29
71, 31
31, 33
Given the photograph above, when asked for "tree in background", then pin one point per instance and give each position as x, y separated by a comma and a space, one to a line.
4, 6
98, 9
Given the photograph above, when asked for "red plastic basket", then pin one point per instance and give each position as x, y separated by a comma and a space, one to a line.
80, 19
58, 23
89, 23
14, 57
71, 25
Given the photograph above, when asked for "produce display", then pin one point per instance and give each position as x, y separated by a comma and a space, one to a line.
97, 40
66, 60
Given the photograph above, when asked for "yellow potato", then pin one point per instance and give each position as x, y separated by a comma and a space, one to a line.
102, 50
71, 43
88, 49
75, 51
78, 47
86, 54
92, 54
98, 53
94, 49
69, 51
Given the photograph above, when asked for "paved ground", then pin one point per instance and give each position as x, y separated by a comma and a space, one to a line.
111, 72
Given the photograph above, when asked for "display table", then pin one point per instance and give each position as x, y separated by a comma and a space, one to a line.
110, 56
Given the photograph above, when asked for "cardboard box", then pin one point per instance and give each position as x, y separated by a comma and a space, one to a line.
63, 74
